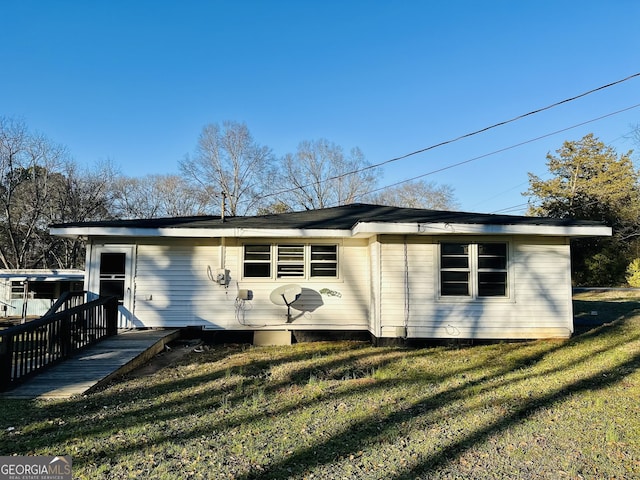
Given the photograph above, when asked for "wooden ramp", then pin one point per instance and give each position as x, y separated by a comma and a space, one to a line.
96, 365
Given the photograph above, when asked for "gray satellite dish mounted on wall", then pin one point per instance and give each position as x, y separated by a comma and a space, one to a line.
286, 295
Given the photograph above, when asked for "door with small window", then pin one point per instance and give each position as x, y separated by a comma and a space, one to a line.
112, 275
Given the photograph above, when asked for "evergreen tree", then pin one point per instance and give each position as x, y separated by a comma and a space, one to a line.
590, 181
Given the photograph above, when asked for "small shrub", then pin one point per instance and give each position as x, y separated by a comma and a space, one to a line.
633, 273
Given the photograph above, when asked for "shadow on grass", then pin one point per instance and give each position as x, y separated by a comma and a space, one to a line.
228, 381
590, 313
597, 381
364, 433
118, 408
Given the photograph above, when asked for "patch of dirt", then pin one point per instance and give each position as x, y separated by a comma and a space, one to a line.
172, 353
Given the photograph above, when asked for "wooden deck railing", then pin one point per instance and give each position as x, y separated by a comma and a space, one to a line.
69, 326
66, 301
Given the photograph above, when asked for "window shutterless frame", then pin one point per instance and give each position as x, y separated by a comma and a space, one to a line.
323, 260
257, 261
455, 270
474, 270
290, 261
492, 270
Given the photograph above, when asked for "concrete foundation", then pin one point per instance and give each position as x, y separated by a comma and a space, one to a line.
272, 337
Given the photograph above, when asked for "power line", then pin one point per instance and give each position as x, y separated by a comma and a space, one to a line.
516, 207
457, 164
513, 208
501, 193
456, 139
541, 202
519, 206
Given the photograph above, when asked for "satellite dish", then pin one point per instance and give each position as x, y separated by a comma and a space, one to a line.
286, 295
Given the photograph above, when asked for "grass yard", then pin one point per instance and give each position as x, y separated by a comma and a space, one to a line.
541, 409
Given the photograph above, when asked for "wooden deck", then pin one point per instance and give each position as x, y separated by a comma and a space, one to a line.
96, 365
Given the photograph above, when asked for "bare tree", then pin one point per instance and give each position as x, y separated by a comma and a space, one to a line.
417, 194
28, 166
80, 195
156, 196
228, 161
84, 194
322, 175
635, 134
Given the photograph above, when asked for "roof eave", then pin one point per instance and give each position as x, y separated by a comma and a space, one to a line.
368, 228
360, 230
74, 232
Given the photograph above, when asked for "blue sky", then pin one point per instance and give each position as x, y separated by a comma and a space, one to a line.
135, 81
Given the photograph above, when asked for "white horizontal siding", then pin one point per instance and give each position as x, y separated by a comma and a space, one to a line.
485, 332
539, 305
172, 283
173, 289
375, 287
380, 288
395, 290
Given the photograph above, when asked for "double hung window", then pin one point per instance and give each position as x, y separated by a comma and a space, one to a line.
290, 261
257, 261
473, 270
324, 260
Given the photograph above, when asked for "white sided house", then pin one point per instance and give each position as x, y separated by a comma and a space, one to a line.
32, 292
395, 272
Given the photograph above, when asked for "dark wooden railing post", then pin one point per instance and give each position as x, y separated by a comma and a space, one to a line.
6, 350
66, 341
111, 314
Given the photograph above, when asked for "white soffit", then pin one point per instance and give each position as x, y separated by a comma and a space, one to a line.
198, 232
363, 229
367, 228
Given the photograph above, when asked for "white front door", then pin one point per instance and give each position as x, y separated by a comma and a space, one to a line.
112, 274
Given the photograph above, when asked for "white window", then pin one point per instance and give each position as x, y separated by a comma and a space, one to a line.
475, 270
324, 260
290, 261
257, 261
17, 290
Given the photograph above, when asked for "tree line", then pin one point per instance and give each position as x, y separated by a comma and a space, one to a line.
40, 185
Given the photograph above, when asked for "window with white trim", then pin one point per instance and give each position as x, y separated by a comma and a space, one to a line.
290, 261
257, 261
475, 270
324, 260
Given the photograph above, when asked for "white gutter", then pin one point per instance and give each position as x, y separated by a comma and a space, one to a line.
361, 230
366, 229
291, 232
198, 232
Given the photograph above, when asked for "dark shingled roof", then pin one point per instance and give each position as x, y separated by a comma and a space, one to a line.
344, 217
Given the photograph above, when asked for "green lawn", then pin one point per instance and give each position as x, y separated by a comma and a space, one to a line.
543, 409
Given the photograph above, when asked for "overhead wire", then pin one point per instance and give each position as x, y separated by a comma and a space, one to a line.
529, 203
457, 164
499, 194
513, 208
456, 139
